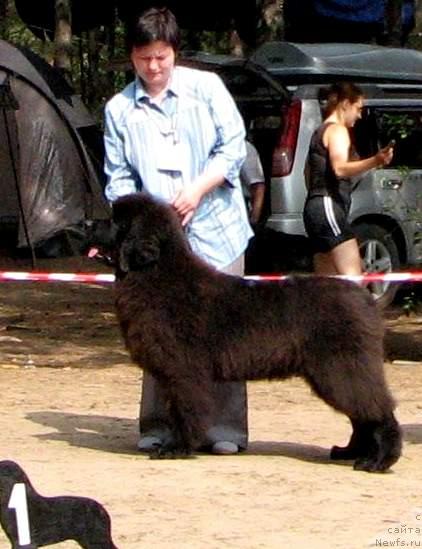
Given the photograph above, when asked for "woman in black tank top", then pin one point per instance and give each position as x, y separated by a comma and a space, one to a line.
331, 165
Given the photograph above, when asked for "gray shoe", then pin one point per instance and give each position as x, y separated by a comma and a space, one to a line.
149, 443
224, 448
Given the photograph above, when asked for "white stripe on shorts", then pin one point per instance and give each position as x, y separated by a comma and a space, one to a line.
331, 218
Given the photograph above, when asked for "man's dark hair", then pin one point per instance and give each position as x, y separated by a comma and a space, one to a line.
152, 25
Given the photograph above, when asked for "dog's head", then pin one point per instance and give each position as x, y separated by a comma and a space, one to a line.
10, 474
145, 229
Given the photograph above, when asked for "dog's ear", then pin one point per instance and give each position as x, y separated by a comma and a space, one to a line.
137, 253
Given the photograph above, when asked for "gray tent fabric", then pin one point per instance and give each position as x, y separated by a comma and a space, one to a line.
49, 181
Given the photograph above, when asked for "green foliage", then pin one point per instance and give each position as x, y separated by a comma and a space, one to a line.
397, 125
209, 41
93, 52
13, 30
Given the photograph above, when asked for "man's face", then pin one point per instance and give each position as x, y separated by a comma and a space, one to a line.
153, 64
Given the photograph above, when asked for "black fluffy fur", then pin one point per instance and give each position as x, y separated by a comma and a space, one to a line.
189, 325
53, 519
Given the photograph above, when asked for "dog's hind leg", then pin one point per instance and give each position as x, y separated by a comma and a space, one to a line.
374, 446
360, 392
384, 449
360, 440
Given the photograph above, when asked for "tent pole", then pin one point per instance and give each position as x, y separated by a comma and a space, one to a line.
18, 191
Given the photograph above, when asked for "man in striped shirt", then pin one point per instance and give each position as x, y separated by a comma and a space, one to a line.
175, 132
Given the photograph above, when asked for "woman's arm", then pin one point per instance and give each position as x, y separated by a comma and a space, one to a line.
337, 140
121, 179
188, 198
227, 156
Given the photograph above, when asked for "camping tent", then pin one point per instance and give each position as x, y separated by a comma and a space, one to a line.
50, 184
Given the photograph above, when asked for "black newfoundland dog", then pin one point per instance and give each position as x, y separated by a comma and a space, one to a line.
189, 325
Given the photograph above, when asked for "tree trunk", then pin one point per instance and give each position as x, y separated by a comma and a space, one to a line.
63, 36
3, 17
270, 25
393, 22
110, 34
94, 89
414, 36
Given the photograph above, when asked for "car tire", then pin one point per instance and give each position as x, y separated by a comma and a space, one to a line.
379, 255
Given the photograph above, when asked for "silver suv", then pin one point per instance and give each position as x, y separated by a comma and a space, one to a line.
277, 92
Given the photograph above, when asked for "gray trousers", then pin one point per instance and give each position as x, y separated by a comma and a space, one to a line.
230, 421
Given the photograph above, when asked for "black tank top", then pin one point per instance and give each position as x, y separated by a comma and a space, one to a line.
322, 179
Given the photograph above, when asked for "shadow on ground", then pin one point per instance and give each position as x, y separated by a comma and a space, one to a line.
104, 433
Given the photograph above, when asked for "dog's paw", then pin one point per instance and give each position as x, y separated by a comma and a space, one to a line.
371, 465
170, 453
344, 453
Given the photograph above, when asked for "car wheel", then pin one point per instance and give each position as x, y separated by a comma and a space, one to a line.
379, 254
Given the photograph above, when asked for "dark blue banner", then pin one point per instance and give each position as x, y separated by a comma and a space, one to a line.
359, 11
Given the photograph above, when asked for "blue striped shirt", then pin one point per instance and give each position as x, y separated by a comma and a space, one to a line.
199, 120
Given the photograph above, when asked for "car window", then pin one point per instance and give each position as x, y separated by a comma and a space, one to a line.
243, 84
261, 106
379, 125
365, 134
258, 96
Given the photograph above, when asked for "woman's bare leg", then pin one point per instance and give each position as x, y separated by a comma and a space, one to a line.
344, 259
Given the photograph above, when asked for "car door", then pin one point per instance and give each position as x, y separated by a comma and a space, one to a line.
392, 194
401, 182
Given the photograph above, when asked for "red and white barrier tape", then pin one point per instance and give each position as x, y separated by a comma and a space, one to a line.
368, 277
101, 278
34, 276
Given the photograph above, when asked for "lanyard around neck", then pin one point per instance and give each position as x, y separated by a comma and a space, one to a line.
165, 121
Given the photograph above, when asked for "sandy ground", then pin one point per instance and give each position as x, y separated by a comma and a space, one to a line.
69, 400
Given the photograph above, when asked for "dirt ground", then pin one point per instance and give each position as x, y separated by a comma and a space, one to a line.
69, 400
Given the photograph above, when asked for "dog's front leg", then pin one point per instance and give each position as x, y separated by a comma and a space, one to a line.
189, 411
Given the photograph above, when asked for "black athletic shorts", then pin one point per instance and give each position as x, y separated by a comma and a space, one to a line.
326, 223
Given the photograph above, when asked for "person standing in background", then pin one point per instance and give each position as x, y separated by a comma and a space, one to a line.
332, 166
253, 183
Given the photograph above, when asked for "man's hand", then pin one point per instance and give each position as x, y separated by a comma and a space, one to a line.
185, 203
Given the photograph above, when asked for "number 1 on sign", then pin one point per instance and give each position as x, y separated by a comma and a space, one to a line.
18, 502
